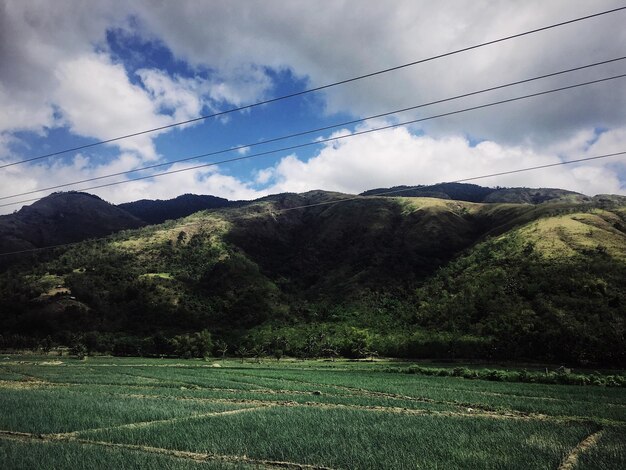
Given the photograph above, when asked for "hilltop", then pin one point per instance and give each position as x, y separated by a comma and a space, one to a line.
156, 211
62, 218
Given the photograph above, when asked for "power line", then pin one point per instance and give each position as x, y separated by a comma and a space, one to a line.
330, 139
320, 129
394, 191
319, 88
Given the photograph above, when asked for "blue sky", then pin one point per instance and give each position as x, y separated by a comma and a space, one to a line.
82, 72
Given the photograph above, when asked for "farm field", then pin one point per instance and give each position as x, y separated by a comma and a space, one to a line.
104, 412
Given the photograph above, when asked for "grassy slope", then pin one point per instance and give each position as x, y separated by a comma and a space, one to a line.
553, 285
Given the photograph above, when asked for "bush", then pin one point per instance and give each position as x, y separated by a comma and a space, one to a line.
557, 377
78, 349
198, 344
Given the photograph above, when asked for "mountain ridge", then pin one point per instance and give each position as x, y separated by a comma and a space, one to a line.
476, 193
156, 211
55, 219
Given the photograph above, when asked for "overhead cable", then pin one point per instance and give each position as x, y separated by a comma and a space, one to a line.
319, 88
312, 131
335, 138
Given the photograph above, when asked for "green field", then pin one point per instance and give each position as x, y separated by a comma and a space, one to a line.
107, 412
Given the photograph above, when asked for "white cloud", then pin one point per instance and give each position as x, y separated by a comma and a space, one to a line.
397, 157
388, 158
342, 40
198, 181
264, 176
178, 95
60, 73
243, 85
35, 37
97, 99
326, 44
24, 111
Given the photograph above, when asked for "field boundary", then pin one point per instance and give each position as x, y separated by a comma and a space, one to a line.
571, 459
476, 408
372, 408
180, 454
356, 391
142, 424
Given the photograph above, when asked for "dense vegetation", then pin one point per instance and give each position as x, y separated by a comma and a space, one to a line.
158, 211
403, 277
476, 193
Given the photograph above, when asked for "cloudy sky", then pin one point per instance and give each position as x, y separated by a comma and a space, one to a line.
77, 72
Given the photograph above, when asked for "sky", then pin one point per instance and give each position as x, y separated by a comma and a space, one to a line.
78, 72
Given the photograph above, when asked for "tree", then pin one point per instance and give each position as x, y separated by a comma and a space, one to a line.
278, 354
46, 344
221, 347
198, 344
330, 351
241, 352
258, 351
202, 343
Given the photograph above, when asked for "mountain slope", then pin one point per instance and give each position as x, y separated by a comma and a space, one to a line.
551, 288
405, 276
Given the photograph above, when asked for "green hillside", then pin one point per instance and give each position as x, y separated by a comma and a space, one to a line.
412, 277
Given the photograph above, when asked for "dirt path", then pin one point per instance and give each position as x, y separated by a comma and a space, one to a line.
185, 455
462, 405
144, 424
393, 396
24, 384
571, 459
373, 408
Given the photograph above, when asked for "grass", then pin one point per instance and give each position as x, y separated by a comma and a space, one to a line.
608, 454
160, 413
344, 438
566, 235
56, 410
78, 456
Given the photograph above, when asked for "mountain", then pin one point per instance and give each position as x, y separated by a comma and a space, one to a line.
73, 216
158, 211
62, 218
69, 217
405, 276
476, 193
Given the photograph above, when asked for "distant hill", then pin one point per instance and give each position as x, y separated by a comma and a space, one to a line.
403, 276
74, 216
534, 196
476, 193
62, 218
157, 211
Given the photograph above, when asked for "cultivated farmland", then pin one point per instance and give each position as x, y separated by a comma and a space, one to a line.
161, 413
